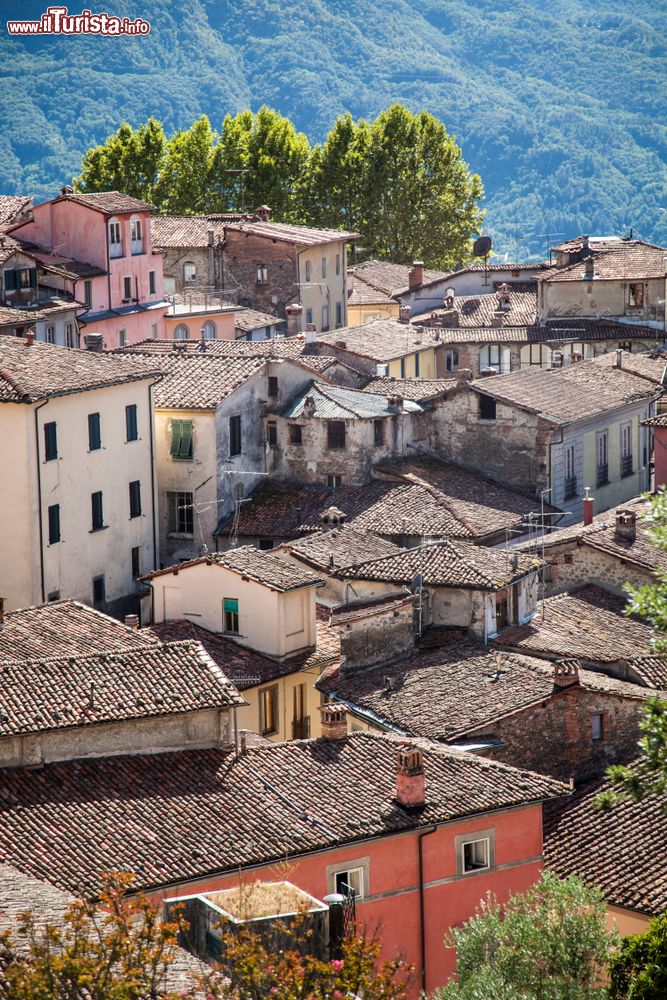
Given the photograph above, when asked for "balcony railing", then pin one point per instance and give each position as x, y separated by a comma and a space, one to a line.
570, 488
603, 475
301, 728
626, 466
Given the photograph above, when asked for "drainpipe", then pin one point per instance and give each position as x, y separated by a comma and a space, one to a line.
39, 502
422, 916
106, 240
151, 418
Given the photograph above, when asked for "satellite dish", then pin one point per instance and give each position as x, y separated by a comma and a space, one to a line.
482, 246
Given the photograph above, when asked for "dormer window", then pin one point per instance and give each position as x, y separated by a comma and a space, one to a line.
115, 239
137, 235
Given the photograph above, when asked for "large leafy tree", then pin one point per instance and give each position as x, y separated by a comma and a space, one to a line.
638, 970
129, 161
184, 186
334, 196
548, 943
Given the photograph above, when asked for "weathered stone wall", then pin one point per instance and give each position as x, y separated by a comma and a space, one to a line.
555, 737
243, 253
572, 564
207, 260
378, 638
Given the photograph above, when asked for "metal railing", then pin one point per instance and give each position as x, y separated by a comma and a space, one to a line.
602, 475
570, 488
626, 466
301, 728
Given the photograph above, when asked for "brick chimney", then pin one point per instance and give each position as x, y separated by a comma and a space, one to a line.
618, 363
264, 213
404, 314
589, 268
93, 341
626, 525
588, 507
334, 722
30, 338
566, 673
416, 274
395, 403
293, 314
309, 407
410, 791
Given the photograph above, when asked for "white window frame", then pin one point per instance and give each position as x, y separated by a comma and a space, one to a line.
136, 235
50, 334
181, 332
487, 837
115, 237
325, 316
70, 335
361, 869
209, 330
324, 267
122, 338
189, 272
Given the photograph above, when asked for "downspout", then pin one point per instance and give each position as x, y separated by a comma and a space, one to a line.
422, 915
153, 475
39, 502
106, 238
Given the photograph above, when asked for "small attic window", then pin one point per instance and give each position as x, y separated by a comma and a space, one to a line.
487, 407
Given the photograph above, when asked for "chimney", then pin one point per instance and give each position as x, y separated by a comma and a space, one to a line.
416, 274
66, 189
566, 673
334, 722
93, 341
264, 213
309, 407
404, 314
211, 237
589, 268
332, 517
311, 335
395, 403
410, 792
626, 525
293, 314
585, 242
487, 372
588, 507
504, 301
30, 338
618, 363
342, 344
132, 621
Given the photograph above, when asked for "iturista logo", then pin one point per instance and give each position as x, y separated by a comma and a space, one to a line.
58, 21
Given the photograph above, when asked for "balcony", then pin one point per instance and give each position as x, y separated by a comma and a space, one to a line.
626, 466
602, 475
570, 488
301, 728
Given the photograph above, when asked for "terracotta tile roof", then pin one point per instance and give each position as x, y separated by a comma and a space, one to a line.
446, 564
53, 261
344, 613
244, 667
334, 402
652, 669
622, 850
289, 348
659, 421
65, 628
304, 236
43, 370
615, 261
341, 548
187, 231
556, 332
248, 320
170, 817
46, 310
647, 366
587, 624
567, 395
109, 202
381, 339
445, 693
484, 310
12, 205
419, 389
364, 293
269, 568
390, 278
200, 381
65, 692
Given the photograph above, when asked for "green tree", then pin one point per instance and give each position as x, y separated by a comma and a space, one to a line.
129, 161
184, 184
650, 601
334, 196
638, 970
549, 943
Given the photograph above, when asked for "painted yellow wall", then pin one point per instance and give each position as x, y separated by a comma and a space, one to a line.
358, 315
426, 365
224, 322
314, 293
249, 716
626, 922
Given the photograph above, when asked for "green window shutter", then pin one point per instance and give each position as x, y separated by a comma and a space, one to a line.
94, 437
176, 435
10, 280
186, 439
231, 604
54, 524
33, 277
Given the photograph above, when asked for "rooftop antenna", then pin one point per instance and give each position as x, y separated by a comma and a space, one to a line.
242, 171
482, 248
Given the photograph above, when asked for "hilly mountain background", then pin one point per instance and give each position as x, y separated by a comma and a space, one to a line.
559, 108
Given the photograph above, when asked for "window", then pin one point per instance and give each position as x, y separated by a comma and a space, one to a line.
94, 435
151, 283
70, 336
416, 365
50, 334
154, 331
349, 878
268, 710
230, 615
180, 513
181, 439
273, 386
536, 355
127, 288
337, 263
131, 429
54, 595
570, 486
378, 433
295, 435
88, 294
115, 241
54, 523
339, 314
602, 452
335, 434
451, 361
97, 511
99, 591
597, 727
402, 367
487, 407
502, 616
299, 702
122, 338
308, 271
50, 441
626, 450
325, 317
262, 274
20, 278
181, 332
136, 236
495, 357
265, 544
309, 317
636, 294
324, 267
334, 481
475, 852
135, 498
209, 330
189, 272
234, 436
271, 433
136, 561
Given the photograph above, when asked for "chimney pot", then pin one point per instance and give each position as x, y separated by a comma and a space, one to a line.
566, 674
293, 314
93, 341
132, 621
626, 525
334, 722
619, 359
404, 314
410, 790
264, 213
588, 507
30, 338
416, 274
211, 237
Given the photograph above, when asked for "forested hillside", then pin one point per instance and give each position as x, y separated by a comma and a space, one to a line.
559, 108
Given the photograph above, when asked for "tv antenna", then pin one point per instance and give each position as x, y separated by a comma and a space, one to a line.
482, 248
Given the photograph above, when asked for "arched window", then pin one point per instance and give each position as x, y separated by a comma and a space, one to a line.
181, 332
536, 356
115, 238
495, 357
209, 331
136, 234
189, 272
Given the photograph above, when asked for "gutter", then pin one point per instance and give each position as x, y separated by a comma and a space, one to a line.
153, 477
422, 904
39, 502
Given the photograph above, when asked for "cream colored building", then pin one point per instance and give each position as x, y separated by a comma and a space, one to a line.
78, 502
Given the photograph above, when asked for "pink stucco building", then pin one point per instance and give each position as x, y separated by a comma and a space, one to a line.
113, 232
